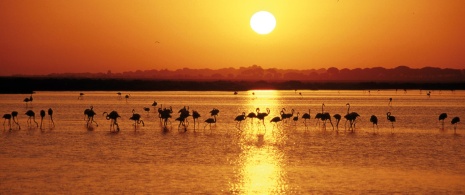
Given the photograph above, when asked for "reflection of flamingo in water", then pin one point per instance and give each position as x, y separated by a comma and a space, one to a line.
14, 115
89, 113
442, 117
113, 116
239, 119
32, 117
454, 122
42, 115
136, 118
391, 118
28, 100
374, 120
50, 113
7, 117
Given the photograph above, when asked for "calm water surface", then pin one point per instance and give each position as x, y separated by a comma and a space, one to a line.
417, 157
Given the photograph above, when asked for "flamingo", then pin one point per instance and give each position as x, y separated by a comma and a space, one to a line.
351, 117
14, 115
390, 102
391, 118
7, 117
442, 116
306, 116
214, 112
119, 95
154, 104
374, 120
252, 115
90, 116
324, 116
338, 118
261, 115
32, 117
454, 122
50, 113
184, 114
239, 119
286, 115
195, 116
127, 97
165, 114
296, 118
81, 96
275, 120
147, 109
113, 116
209, 121
136, 118
42, 115
28, 100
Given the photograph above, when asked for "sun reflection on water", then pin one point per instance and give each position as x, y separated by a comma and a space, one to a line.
260, 165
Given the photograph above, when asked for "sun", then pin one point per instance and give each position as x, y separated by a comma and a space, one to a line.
263, 22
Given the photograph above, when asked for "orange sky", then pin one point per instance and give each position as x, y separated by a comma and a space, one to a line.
47, 36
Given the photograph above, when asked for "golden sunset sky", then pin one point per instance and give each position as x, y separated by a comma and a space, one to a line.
56, 36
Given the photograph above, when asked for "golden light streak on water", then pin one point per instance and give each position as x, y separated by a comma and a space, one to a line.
260, 162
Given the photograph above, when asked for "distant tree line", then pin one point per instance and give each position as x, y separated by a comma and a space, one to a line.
257, 73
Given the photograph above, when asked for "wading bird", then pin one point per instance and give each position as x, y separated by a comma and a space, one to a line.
442, 117
14, 115
390, 118
454, 122
7, 117
374, 120
195, 116
261, 116
306, 116
275, 120
338, 118
81, 96
42, 115
296, 118
113, 117
50, 113
136, 118
239, 119
209, 121
32, 117
89, 113
27, 100
351, 117
127, 97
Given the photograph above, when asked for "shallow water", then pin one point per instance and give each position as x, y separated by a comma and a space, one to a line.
417, 157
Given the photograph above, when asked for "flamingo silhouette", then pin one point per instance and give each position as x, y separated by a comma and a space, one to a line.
195, 116
42, 115
165, 114
374, 120
113, 117
454, 122
14, 115
261, 116
209, 121
81, 96
338, 118
275, 120
89, 113
239, 119
306, 116
390, 102
214, 112
127, 97
32, 117
442, 117
324, 116
296, 118
28, 100
147, 109
119, 95
154, 103
391, 118
351, 117
252, 115
136, 118
184, 114
285, 115
50, 113
7, 117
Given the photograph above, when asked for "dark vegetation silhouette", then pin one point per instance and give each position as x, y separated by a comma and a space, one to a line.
243, 78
